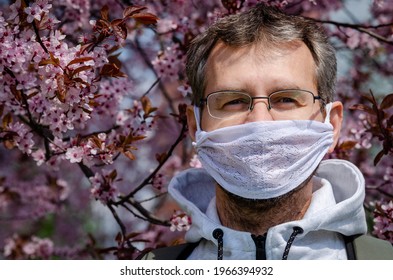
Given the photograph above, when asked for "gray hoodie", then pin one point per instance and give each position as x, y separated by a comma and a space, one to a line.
336, 209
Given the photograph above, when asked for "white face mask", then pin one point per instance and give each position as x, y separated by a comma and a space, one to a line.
265, 159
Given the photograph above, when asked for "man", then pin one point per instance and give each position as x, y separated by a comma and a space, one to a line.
263, 118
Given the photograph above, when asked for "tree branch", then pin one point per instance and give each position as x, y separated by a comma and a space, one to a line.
162, 162
360, 28
118, 220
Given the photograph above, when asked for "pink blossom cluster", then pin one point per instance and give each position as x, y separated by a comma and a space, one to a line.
194, 162
34, 12
50, 85
17, 247
159, 182
169, 63
104, 186
383, 221
360, 133
356, 39
32, 200
62, 94
180, 221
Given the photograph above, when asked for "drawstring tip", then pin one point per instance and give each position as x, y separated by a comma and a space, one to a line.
219, 234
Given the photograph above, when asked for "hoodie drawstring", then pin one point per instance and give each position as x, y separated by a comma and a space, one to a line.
296, 231
219, 234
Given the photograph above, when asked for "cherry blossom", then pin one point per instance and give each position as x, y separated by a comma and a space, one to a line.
180, 221
194, 162
33, 248
75, 154
383, 221
103, 186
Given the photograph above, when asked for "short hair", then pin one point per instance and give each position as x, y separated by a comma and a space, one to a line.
270, 26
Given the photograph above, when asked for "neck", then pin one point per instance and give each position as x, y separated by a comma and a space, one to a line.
257, 216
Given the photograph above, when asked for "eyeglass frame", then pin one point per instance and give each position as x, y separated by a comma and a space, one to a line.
203, 101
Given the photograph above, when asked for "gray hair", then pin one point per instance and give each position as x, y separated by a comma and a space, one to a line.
267, 25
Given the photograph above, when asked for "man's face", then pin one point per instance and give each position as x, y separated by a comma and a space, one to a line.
258, 71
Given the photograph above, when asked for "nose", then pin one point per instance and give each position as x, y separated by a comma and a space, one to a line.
259, 112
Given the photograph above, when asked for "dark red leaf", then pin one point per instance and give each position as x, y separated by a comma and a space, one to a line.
362, 107
146, 104
52, 60
145, 18
119, 237
7, 120
103, 25
129, 154
111, 70
81, 69
61, 92
97, 142
79, 80
113, 175
132, 235
16, 93
387, 102
348, 145
85, 47
120, 31
375, 130
116, 22
161, 157
9, 144
129, 11
105, 12
369, 98
378, 157
31, 95
390, 121
80, 60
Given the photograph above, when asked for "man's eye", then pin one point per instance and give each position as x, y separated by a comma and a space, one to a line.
237, 101
285, 100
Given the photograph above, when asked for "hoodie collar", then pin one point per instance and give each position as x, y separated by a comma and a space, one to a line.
337, 206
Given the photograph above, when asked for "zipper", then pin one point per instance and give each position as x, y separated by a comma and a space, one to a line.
260, 246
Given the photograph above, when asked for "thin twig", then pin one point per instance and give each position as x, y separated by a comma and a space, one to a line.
361, 28
38, 37
149, 216
118, 220
154, 197
135, 214
152, 86
86, 170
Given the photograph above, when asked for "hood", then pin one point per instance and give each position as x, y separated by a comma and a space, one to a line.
336, 209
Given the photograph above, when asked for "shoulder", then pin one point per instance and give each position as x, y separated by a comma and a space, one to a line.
366, 247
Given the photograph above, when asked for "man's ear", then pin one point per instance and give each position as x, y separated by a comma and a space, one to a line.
191, 121
336, 118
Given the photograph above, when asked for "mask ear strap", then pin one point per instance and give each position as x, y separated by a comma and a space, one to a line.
328, 108
197, 112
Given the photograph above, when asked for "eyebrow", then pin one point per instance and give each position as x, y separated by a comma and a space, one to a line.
272, 89
285, 86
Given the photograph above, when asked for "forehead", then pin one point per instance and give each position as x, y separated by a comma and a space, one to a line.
259, 64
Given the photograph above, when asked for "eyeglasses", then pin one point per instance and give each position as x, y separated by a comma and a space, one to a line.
288, 104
